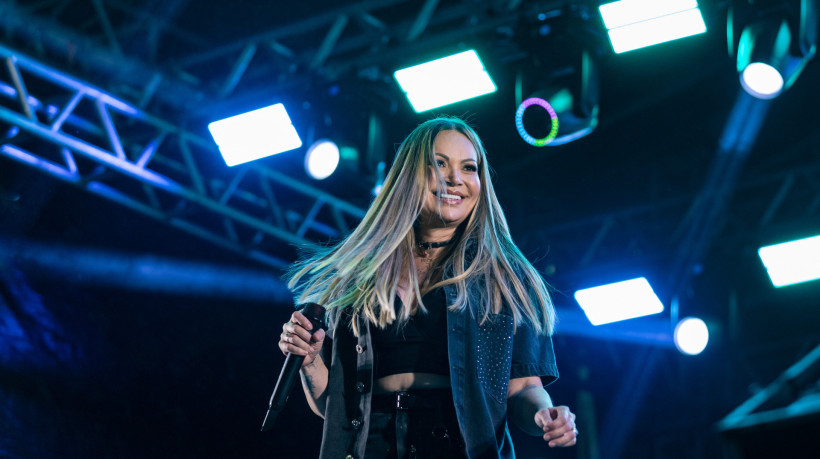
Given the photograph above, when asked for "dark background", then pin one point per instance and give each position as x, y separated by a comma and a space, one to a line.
122, 336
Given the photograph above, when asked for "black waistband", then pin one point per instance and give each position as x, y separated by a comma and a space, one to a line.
421, 399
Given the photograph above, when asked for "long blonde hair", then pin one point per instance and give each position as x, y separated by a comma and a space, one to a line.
361, 274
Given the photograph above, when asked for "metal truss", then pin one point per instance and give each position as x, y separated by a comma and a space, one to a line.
84, 136
368, 34
791, 399
354, 39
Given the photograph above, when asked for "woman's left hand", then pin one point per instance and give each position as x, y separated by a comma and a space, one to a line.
558, 424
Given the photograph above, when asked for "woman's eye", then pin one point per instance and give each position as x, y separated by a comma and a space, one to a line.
470, 168
440, 163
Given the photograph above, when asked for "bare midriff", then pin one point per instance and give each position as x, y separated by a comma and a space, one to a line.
409, 381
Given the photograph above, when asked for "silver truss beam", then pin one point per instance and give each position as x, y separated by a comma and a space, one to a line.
108, 29
149, 165
50, 39
187, 81
789, 398
340, 55
422, 20
312, 25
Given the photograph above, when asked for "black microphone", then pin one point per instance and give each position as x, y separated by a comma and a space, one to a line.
290, 370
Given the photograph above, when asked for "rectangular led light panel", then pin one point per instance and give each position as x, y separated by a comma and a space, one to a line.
634, 24
619, 301
255, 134
792, 262
445, 81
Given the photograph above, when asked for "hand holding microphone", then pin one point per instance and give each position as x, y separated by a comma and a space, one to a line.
301, 340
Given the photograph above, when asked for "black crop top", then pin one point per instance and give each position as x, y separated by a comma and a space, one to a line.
419, 347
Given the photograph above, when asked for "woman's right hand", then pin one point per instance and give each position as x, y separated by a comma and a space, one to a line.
296, 338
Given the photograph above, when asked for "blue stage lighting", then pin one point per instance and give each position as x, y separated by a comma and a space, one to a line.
774, 43
761, 80
445, 81
255, 134
691, 336
619, 301
634, 24
321, 159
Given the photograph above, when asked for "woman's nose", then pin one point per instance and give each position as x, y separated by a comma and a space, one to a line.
453, 177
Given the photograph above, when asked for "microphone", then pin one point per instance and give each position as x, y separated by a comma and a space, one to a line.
290, 370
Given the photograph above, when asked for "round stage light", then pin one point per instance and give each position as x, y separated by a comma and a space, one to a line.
691, 336
321, 159
761, 80
519, 122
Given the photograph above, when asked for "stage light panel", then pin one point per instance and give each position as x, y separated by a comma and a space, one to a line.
626, 12
691, 336
255, 134
445, 81
792, 262
634, 24
619, 301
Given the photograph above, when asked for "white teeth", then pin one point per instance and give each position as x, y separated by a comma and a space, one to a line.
449, 196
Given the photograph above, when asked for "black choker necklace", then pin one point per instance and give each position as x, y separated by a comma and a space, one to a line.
425, 250
433, 245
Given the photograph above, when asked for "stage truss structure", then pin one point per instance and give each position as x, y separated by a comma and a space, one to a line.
87, 137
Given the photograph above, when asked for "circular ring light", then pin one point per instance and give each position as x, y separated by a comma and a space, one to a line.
519, 122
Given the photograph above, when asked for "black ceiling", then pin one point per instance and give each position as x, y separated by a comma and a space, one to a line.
616, 203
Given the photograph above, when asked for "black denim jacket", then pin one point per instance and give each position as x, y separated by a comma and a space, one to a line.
483, 359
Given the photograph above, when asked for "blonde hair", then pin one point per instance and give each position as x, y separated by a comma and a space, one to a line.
361, 274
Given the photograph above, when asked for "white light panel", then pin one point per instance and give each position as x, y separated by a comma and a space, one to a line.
255, 134
637, 24
792, 262
619, 301
445, 81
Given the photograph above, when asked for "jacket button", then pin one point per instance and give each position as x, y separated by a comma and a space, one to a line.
359, 349
356, 424
359, 386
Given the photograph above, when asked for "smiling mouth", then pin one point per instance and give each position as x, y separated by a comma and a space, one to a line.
451, 198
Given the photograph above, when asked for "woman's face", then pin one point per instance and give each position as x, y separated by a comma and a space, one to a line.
457, 161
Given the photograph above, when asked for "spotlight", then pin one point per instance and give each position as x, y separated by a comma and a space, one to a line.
761, 80
321, 159
691, 336
325, 156
255, 134
763, 58
619, 301
564, 106
774, 43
